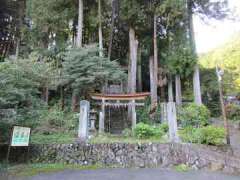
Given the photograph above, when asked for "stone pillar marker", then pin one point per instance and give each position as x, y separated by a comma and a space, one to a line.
172, 122
101, 123
83, 120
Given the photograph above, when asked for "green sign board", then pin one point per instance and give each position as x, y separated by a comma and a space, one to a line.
20, 136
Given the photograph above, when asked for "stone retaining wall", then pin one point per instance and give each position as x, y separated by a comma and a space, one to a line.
139, 155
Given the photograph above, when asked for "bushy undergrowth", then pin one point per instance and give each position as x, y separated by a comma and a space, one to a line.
233, 112
143, 113
143, 131
194, 115
55, 120
209, 135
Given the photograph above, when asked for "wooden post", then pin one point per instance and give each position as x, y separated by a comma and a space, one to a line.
9, 147
226, 125
102, 118
134, 116
172, 122
8, 153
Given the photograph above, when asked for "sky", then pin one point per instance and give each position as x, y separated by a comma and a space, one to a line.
215, 33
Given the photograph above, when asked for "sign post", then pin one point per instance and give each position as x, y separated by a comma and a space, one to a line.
220, 73
19, 138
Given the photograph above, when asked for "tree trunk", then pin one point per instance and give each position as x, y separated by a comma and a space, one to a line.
162, 94
45, 94
152, 83
197, 86
155, 64
132, 71
17, 48
139, 71
170, 90
133, 47
178, 91
79, 44
80, 24
111, 30
153, 67
62, 98
100, 29
196, 76
75, 99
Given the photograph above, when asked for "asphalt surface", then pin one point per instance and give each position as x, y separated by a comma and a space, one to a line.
131, 174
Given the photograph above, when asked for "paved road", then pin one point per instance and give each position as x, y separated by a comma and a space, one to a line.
132, 174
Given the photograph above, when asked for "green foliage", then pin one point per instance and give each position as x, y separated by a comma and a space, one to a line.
194, 115
182, 168
210, 91
143, 113
233, 112
127, 133
144, 131
190, 134
48, 17
19, 85
109, 139
164, 127
209, 135
180, 61
54, 120
86, 71
228, 58
212, 135
55, 138
132, 12
28, 170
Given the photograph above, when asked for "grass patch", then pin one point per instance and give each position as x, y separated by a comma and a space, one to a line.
56, 138
34, 169
182, 168
110, 139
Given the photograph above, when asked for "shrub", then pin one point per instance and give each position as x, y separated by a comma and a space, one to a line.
143, 113
158, 132
189, 134
144, 131
194, 115
233, 112
212, 135
209, 135
164, 127
127, 132
54, 120
182, 168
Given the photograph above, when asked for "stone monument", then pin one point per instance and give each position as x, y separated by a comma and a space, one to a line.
83, 120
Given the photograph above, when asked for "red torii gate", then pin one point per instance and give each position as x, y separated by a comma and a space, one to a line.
113, 100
